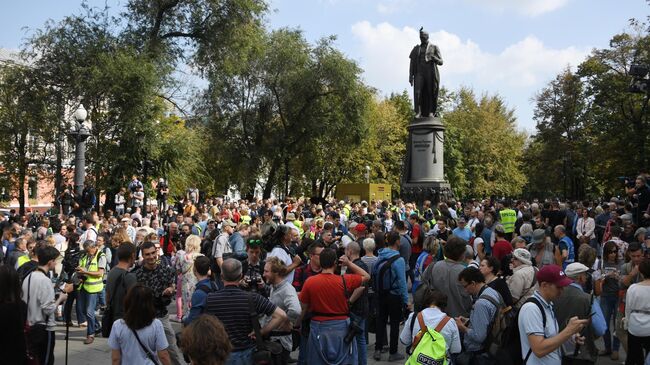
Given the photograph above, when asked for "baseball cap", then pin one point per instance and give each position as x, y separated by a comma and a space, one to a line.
641, 231
575, 268
539, 235
360, 227
228, 222
553, 274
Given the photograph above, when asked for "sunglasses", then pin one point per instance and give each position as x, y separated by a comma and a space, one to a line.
254, 243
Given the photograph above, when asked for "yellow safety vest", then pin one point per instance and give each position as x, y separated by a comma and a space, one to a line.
508, 219
22, 260
92, 284
246, 219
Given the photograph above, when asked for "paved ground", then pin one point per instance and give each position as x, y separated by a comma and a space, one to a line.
99, 353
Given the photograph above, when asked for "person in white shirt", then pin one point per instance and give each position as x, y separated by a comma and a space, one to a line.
90, 232
432, 314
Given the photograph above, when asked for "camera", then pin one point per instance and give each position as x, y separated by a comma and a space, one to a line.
629, 182
640, 82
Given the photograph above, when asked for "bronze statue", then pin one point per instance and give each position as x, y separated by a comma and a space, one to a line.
424, 76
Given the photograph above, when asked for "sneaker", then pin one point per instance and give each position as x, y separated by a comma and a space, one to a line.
84, 324
377, 355
98, 331
175, 319
385, 349
614, 355
89, 340
395, 357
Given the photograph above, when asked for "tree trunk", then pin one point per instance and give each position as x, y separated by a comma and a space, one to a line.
314, 187
22, 177
286, 177
58, 174
268, 186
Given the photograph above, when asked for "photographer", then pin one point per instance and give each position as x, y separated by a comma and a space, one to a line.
253, 267
38, 293
91, 272
641, 196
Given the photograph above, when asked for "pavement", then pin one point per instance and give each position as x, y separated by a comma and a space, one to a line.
99, 353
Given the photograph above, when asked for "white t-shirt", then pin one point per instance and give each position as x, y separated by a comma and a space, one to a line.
637, 310
284, 257
123, 339
530, 323
432, 317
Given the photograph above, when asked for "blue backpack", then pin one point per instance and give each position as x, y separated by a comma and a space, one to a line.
382, 281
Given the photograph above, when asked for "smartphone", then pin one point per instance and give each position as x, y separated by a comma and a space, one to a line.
589, 316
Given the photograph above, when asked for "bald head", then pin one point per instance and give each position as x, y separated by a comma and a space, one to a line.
353, 249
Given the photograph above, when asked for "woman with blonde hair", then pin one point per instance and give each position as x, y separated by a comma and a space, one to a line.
120, 237
184, 265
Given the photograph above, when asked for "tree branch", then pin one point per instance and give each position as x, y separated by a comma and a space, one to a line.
195, 35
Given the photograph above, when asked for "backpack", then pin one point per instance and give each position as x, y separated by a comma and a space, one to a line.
508, 349
429, 346
382, 283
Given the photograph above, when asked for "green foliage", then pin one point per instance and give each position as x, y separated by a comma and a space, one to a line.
590, 128
486, 149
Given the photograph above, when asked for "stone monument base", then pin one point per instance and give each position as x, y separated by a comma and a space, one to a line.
434, 191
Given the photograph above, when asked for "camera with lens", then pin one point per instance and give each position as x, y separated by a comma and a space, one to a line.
640, 81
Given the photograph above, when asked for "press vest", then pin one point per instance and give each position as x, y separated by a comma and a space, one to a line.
508, 219
92, 284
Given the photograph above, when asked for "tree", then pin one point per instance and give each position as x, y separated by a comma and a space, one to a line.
558, 157
24, 129
489, 146
620, 118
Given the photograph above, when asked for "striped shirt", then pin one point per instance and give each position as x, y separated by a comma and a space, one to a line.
231, 307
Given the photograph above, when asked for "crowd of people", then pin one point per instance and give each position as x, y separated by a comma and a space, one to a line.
251, 281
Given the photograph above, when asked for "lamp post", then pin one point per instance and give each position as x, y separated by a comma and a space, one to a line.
367, 174
80, 131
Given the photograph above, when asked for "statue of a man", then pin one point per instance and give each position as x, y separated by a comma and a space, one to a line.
424, 76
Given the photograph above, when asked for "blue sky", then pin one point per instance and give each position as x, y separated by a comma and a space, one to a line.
509, 47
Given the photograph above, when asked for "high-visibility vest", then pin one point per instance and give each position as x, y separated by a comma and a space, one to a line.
508, 219
246, 219
92, 284
22, 260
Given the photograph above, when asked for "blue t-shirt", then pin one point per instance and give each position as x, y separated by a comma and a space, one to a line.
567, 244
464, 233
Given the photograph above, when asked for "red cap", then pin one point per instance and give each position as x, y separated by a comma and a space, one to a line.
360, 227
553, 274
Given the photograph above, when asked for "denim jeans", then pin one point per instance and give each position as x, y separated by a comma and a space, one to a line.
73, 300
608, 306
175, 354
361, 338
87, 303
244, 357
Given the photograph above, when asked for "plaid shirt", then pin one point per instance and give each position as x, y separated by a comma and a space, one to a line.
302, 273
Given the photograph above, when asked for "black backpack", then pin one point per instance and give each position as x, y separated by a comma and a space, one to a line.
380, 284
509, 352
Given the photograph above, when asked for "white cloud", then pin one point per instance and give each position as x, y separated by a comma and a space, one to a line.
526, 7
516, 72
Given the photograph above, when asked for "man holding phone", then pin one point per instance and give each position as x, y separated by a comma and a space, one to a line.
575, 302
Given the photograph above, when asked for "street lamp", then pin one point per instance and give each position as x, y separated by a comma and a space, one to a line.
367, 174
80, 131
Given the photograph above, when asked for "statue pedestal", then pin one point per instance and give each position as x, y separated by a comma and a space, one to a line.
423, 177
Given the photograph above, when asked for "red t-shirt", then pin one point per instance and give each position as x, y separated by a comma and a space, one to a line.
416, 248
324, 293
501, 249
